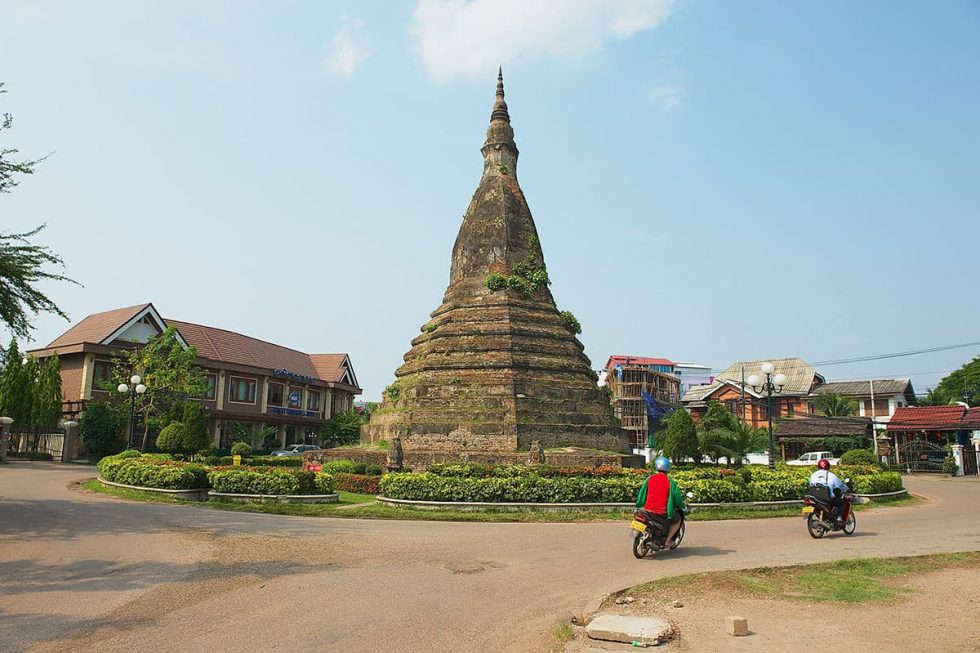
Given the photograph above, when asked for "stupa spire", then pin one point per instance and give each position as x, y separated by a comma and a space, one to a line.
499, 148
499, 105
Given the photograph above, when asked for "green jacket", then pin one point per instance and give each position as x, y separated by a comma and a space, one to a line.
675, 499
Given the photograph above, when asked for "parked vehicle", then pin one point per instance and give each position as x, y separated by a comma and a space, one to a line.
813, 457
818, 511
651, 531
295, 450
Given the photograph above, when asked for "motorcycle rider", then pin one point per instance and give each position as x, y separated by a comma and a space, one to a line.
660, 495
835, 487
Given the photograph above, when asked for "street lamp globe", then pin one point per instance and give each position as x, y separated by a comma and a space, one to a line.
768, 368
135, 379
123, 388
779, 379
140, 389
754, 380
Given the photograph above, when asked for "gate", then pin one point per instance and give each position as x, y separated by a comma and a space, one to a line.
919, 456
36, 442
970, 467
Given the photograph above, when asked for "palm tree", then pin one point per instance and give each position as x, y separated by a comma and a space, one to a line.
835, 405
738, 442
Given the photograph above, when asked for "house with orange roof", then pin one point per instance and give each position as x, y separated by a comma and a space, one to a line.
251, 382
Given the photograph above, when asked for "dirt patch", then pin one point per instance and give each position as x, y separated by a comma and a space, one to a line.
936, 610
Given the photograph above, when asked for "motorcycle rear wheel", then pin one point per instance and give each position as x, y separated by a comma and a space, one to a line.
641, 545
814, 527
851, 524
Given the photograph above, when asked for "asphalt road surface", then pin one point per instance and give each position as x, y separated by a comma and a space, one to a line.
82, 572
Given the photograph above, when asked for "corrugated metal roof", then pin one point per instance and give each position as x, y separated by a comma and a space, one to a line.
863, 388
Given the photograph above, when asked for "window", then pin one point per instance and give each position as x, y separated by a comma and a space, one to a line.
212, 390
102, 373
295, 397
241, 391
275, 395
313, 400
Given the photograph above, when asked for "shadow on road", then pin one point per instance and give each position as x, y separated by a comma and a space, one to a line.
688, 551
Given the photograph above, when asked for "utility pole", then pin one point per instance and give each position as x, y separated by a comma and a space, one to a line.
874, 425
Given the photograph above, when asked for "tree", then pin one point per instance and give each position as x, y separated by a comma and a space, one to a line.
345, 427
22, 263
716, 426
8, 167
736, 444
102, 430
960, 385
196, 435
171, 438
835, 405
13, 385
30, 391
169, 373
679, 438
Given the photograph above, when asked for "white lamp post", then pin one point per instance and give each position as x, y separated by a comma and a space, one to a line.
768, 385
136, 388
5, 423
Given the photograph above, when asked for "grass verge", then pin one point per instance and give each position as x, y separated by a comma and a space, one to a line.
863, 580
363, 506
563, 634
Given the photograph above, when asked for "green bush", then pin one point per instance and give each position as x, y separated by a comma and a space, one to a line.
431, 487
324, 483
266, 461
949, 465
877, 483
358, 483
102, 431
859, 457
243, 449
155, 473
196, 435
714, 491
249, 480
373, 470
171, 438
343, 467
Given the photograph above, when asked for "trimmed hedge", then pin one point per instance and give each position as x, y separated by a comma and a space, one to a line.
155, 473
859, 457
475, 470
249, 480
709, 485
266, 461
357, 483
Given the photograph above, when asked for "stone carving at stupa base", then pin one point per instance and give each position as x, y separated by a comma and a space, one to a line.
497, 367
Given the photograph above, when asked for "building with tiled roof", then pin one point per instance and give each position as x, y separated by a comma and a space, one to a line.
252, 383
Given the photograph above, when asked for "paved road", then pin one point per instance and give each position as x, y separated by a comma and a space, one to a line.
81, 572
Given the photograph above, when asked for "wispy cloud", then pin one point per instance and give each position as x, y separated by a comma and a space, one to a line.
668, 90
348, 49
469, 37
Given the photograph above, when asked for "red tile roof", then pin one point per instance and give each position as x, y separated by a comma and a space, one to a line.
927, 418
972, 419
618, 359
97, 327
329, 367
213, 344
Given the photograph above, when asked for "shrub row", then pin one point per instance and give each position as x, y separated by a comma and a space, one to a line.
476, 470
351, 467
266, 461
769, 486
357, 483
249, 480
161, 474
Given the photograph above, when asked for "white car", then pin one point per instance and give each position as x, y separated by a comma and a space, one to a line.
813, 457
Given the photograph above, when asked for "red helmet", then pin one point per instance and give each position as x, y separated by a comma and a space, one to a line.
823, 463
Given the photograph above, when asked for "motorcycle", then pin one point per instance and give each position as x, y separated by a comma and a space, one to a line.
651, 531
819, 515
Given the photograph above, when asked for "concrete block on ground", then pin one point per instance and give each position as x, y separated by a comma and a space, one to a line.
737, 626
619, 628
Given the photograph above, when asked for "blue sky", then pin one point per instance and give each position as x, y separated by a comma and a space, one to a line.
711, 181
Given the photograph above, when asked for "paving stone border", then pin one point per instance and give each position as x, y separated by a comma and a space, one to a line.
195, 494
204, 494
274, 498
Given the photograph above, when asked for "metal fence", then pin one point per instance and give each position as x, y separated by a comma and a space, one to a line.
36, 442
